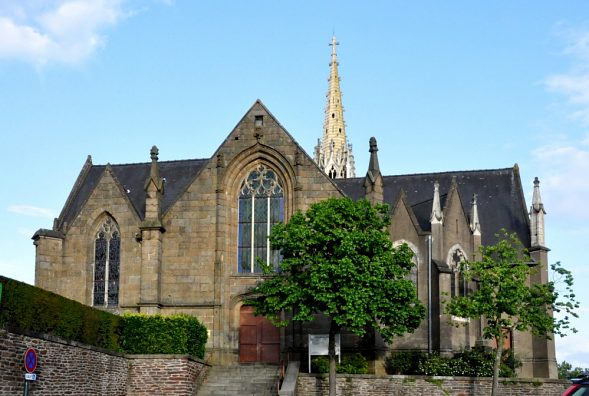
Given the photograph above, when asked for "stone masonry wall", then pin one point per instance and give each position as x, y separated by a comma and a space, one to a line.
400, 385
69, 368
164, 375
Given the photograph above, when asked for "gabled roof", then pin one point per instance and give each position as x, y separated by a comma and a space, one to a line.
177, 175
500, 200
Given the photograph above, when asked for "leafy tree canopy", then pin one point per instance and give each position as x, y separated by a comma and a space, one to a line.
338, 260
508, 300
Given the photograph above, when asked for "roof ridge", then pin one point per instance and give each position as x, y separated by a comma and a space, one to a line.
147, 163
451, 172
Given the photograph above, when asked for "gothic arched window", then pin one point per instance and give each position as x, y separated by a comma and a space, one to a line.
261, 205
107, 262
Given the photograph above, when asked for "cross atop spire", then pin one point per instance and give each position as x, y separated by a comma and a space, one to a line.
333, 153
333, 45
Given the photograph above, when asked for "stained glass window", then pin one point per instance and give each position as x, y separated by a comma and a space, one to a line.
261, 205
106, 265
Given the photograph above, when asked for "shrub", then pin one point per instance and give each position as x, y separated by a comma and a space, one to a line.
30, 308
509, 364
478, 361
174, 334
351, 364
404, 362
319, 364
475, 362
435, 365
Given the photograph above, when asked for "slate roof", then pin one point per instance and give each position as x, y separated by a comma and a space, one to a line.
132, 177
501, 202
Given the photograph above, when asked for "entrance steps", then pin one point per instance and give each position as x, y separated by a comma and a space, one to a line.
240, 380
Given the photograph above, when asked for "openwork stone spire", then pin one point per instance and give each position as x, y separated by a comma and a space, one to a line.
333, 153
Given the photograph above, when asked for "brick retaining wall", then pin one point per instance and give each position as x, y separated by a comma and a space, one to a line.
401, 385
75, 369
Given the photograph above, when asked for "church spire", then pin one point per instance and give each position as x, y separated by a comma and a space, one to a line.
333, 153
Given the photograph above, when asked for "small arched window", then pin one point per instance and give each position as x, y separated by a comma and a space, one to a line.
458, 286
261, 205
107, 251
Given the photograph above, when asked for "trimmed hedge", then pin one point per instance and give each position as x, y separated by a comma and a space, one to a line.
175, 334
32, 309
475, 362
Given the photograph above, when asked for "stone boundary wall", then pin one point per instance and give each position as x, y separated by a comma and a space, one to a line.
164, 375
71, 368
405, 385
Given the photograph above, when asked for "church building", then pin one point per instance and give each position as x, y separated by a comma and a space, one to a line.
184, 236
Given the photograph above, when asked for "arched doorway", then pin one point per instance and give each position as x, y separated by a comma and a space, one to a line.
259, 339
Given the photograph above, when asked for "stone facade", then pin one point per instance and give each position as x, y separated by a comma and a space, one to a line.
399, 385
69, 368
179, 230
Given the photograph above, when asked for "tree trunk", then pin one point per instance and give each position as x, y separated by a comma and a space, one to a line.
497, 363
333, 329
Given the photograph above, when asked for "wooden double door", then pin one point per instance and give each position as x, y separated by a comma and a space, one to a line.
259, 339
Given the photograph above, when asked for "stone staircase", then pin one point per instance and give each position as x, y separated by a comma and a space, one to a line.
240, 380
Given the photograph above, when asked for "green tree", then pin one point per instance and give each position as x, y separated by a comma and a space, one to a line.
506, 299
566, 370
338, 260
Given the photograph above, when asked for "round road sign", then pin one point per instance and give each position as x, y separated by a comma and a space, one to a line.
30, 360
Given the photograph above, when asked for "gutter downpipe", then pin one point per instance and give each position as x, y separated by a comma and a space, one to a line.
429, 294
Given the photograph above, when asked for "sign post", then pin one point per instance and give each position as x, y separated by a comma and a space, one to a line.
30, 366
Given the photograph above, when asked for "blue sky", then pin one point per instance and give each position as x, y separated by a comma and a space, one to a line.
443, 86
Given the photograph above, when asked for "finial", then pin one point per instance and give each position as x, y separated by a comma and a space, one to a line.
537, 204
537, 213
154, 153
436, 215
373, 166
475, 226
373, 146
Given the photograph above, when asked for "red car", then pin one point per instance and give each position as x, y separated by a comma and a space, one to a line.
579, 387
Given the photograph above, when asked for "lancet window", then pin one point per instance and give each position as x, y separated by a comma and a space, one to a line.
107, 262
261, 205
458, 286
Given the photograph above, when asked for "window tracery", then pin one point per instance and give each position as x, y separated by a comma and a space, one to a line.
261, 205
458, 286
107, 246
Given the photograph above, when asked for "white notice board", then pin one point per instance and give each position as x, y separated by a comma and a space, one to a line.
319, 346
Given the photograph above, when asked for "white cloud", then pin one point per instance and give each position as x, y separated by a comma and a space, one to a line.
564, 168
574, 84
32, 211
574, 349
60, 31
